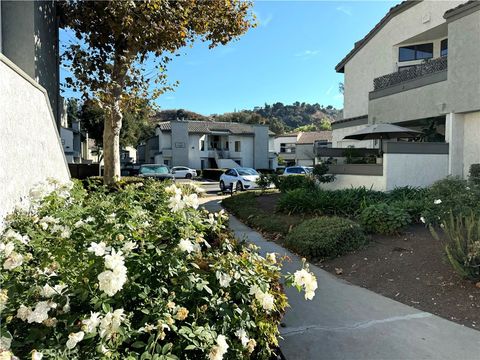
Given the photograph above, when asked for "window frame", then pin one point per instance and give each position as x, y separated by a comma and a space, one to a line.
415, 52
239, 147
442, 49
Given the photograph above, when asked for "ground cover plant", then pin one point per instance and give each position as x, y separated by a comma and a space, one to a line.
325, 237
134, 272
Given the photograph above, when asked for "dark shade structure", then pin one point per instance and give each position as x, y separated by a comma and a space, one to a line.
383, 131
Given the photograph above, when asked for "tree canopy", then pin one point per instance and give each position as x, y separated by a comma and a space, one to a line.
123, 48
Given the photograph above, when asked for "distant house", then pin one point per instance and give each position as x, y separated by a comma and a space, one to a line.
419, 67
300, 148
209, 144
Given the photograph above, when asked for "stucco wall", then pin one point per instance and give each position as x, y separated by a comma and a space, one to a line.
29, 39
463, 64
353, 181
260, 147
380, 55
418, 170
339, 134
31, 148
423, 102
471, 146
305, 155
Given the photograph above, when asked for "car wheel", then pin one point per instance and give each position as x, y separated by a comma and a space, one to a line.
239, 186
188, 176
222, 186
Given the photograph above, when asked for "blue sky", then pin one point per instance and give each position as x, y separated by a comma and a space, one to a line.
289, 57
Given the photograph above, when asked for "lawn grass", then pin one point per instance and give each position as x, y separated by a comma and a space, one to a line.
245, 207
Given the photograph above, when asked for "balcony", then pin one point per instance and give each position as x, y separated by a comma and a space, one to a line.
435, 66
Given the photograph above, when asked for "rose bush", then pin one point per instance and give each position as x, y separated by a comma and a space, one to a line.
136, 273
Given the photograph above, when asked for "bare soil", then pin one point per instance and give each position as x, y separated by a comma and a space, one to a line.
410, 268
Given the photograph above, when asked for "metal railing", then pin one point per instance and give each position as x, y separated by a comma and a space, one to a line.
414, 72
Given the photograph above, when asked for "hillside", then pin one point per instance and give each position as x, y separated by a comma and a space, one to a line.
283, 118
280, 118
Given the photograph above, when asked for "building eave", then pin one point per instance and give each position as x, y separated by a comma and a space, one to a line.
394, 11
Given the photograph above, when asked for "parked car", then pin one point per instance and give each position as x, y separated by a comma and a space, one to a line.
156, 171
297, 170
183, 172
243, 178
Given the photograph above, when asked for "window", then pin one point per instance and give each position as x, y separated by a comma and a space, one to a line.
287, 148
166, 162
415, 52
444, 47
202, 145
237, 146
231, 172
227, 145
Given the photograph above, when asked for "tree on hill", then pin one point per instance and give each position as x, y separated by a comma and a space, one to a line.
283, 118
117, 40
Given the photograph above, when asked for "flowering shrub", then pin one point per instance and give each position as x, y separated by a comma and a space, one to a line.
138, 273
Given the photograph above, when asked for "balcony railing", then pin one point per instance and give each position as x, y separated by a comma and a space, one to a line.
412, 73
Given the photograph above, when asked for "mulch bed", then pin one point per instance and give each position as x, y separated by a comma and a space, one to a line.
410, 268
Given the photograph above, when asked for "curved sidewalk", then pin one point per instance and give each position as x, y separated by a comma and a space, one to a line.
345, 321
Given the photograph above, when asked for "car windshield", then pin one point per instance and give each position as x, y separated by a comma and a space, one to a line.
247, 171
154, 170
309, 170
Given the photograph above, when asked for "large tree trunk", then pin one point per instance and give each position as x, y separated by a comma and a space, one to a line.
113, 124
111, 145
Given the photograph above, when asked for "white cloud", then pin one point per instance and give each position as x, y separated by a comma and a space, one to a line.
347, 10
307, 53
330, 89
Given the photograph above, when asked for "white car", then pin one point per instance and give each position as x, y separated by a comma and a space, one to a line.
242, 178
297, 170
183, 172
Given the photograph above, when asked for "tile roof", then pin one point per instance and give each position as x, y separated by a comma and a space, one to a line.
206, 127
397, 9
312, 136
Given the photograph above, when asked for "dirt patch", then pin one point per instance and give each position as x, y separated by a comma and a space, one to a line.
411, 269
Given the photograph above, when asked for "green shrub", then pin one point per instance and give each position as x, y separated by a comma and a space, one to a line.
325, 237
407, 193
292, 182
414, 208
265, 180
138, 273
347, 202
244, 205
321, 173
475, 173
212, 174
462, 244
93, 183
384, 218
451, 195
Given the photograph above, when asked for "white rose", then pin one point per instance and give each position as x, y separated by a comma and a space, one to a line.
74, 339
15, 260
185, 245
98, 249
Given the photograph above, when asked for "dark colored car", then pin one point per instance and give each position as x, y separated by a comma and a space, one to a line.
156, 171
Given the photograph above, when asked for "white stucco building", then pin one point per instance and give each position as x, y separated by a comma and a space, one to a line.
419, 67
209, 144
300, 148
31, 147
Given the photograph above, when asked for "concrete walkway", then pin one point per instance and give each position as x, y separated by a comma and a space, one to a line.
344, 321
